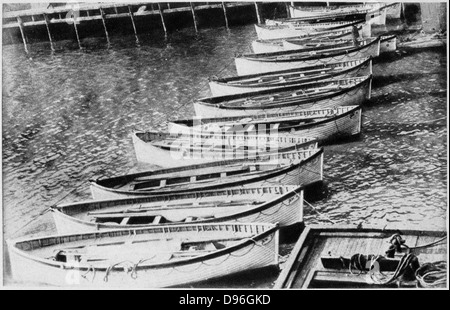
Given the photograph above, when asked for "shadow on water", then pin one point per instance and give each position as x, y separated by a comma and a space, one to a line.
387, 99
256, 278
382, 81
405, 52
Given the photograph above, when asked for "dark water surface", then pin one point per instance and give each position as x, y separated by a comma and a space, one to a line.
68, 116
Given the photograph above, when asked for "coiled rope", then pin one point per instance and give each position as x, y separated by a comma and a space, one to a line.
428, 275
431, 275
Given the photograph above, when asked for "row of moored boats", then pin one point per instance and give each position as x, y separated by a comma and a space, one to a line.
228, 178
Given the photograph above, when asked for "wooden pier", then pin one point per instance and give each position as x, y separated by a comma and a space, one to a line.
78, 14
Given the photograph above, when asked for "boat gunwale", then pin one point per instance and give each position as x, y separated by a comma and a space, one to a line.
271, 229
294, 191
301, 126
364, 80
215, 186
312, 36
209, 135
264, 57
363, 62
337, 25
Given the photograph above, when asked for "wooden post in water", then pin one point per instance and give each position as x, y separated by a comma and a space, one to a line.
257, 13
47, 25
162, 19
224, 7
102, 13
132, 21
74, 19
193, 16
76, 32
22, 32
288, 12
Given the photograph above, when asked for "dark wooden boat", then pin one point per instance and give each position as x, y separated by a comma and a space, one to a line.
352, 257
302, 167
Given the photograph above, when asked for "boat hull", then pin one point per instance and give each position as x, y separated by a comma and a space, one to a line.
375, 13
286, 210
394, 11
224, 89
354, 97
342, 127
388, 44
259, 253
307, 172
280, 32
177, 157
247, 65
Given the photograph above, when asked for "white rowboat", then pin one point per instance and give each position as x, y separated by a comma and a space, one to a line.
274, 204
160, 256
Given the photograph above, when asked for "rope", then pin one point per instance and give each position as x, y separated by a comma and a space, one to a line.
87, 272
48, 209
207, 83
32, 220
428, 244
280, 257
321, 214
108, 271
431, 275
407, 262
358, 261
428, 275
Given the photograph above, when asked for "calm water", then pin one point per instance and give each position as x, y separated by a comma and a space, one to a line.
68, 117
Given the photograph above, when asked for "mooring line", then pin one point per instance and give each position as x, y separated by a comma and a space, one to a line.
321, 214
206, 84
47, 209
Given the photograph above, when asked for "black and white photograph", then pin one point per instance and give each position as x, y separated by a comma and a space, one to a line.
228, 146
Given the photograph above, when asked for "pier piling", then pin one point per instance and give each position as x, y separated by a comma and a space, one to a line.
193, 16
162, 19
132, 21
76, 31
47, 25
19, 21
102, 13
224, 7
257, 13
288, 12
55, 19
